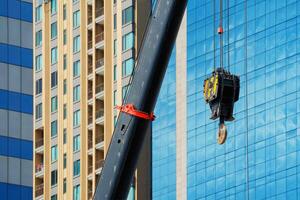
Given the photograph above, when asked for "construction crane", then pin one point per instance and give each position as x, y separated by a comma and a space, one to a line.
136, 113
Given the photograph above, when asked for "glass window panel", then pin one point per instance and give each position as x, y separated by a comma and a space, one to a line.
76, 93
54, 128
127, 15
53, 177
76, 19
53, 79
38, 38
39, 62
53, 6
53, 30
53, 55
76, 44
76, 168
54, 153
76, 68
54, 104
38, 13
76, 192
76, 143
76, 118
128, 41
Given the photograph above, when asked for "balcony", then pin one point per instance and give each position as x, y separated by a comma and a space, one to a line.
100, 142
90, 71
90, 143
39, 171
100, 40
90, 19
90, 172
99, 15
90, 194
90, 97
100, 91
90, 147
39, 191
100, 117
90, 123
90, 44
39, 146
100, 66
99, 165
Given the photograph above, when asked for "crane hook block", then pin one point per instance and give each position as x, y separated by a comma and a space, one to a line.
221, 91
131, 110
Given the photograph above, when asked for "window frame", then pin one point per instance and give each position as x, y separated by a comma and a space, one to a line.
76, 143
76, 44
53, 30
54, 128
76, 19
54, 104
76, 118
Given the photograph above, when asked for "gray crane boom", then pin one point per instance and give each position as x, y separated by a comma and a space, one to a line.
130, 129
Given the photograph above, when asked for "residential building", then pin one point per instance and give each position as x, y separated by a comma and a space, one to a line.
16, 99
84, 56
260, 159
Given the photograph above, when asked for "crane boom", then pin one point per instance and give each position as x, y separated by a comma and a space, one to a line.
130, 129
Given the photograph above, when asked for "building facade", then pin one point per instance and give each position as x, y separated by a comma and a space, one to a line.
261, 157
16, 99
83, 57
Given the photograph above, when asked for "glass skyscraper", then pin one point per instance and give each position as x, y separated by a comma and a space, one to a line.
261, 157
16, 99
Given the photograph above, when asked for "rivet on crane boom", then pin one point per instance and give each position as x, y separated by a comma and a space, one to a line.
221, 89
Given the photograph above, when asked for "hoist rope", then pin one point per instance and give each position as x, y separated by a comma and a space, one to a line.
246, 99
214, 27
228, 46
221, 33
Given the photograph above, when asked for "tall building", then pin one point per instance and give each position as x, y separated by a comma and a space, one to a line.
16, 99
261, 157
84, 55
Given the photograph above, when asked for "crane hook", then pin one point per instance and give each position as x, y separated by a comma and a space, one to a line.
222, 132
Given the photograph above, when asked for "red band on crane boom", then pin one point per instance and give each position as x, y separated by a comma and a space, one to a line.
131, 110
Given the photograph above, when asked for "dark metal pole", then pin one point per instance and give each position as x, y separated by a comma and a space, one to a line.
129, 133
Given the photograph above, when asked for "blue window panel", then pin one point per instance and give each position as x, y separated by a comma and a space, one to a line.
16, 102
26, 103
26, 149
16, 55
3, 191
14, 149
12, 191
18, 148
26, 58
3, 146
3, 53
16, 9
26, 11
3, 7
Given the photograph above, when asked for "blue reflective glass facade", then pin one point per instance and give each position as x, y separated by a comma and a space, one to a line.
16, 100
261, 157
163, 138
